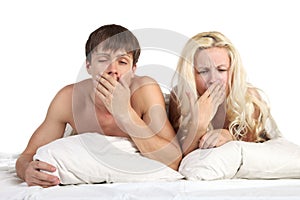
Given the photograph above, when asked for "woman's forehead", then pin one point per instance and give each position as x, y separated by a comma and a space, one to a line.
212, 57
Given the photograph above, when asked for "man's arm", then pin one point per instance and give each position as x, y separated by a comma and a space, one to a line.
51, 129
140, 112
152, 132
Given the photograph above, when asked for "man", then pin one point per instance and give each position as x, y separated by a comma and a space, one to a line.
112, 102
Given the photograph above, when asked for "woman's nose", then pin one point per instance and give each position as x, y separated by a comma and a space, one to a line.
213, 77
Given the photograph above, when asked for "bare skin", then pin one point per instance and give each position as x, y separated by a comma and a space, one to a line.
113, 102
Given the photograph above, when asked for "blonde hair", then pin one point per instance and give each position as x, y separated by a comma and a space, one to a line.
240, 102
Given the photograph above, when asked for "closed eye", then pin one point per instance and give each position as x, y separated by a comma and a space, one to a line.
101, 61
123, 62
222, 69
202, 70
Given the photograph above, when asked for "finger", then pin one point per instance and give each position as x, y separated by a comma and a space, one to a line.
103, 85
206, 94
105, 99
214, 89
220, 90
210, 91
110, 78
218, 94
108, 82
40, 171
202, 141
42, 183
221, 98
42, 175
40, 165
100, 89
213, 140
42, 178
209, 141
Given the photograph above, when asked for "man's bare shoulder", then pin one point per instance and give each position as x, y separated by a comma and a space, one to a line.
66, 93
146, 90
143, 79
146, 95
139, 82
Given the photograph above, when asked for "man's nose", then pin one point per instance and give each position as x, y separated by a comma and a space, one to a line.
112, 70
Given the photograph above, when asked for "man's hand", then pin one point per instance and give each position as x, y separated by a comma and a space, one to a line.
36, 174
114, 94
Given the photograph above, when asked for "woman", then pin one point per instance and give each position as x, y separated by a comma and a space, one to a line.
212, 103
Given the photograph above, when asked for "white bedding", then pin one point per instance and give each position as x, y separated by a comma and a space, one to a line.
11, 187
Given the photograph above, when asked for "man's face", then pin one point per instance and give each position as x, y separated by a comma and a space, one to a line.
116, 64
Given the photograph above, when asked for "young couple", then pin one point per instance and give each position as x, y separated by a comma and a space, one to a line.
210, 105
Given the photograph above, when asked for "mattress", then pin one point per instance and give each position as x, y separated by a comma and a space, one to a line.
11, 187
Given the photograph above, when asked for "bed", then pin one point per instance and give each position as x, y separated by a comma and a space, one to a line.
281, 183
12, 187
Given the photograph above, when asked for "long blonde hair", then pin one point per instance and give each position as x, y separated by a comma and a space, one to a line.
240, 103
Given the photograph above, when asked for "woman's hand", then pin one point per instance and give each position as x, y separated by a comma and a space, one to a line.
201, 112
215, 138
206, 106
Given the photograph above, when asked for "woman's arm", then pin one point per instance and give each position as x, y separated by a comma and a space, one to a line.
194, 125
187, 130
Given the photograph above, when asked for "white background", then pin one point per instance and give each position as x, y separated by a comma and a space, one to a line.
42, 50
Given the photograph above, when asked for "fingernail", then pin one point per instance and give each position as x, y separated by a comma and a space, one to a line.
54, 179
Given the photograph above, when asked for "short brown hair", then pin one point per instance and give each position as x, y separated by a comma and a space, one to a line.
113, 37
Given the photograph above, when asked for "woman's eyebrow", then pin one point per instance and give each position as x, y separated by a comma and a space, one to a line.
202, 67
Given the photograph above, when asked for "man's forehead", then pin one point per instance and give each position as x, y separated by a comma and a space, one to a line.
112, 53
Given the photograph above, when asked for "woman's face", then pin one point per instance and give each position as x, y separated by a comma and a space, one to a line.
211, 65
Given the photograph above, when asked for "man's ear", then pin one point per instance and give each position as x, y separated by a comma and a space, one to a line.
88, 67
134, 68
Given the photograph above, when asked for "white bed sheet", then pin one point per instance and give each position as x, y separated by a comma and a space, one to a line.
11, 187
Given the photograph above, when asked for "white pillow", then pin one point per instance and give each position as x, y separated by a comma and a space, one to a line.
274, 159
211, 164
95, 158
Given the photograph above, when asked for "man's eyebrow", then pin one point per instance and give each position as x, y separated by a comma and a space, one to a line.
102, 54
123, 55
109, 55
